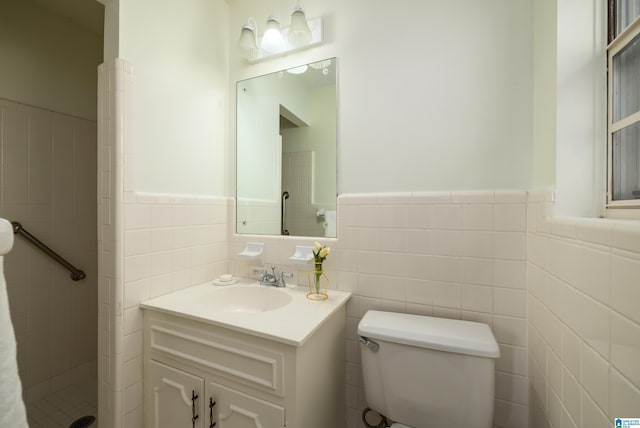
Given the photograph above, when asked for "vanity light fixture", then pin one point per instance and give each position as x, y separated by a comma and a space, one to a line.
248, 43
272, 39
302, 34
299, 31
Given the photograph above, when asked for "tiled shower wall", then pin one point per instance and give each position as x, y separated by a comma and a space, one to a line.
48, 184
584, 323
149, 245
455, 255
297, 179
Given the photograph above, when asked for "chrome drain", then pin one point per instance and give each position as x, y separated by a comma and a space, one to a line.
83, 422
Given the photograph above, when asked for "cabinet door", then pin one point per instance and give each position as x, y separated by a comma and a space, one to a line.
234, 409
171, 398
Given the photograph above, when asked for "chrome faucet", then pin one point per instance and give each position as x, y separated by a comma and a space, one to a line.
282, 276
272, 278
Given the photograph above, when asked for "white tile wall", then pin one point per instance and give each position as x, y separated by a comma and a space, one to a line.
584, 330
456, 255
47, 183
149, 245
114, 80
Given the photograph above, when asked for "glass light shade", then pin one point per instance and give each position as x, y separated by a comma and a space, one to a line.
247, 44
321, 65
273, 40
299, 31
297, 70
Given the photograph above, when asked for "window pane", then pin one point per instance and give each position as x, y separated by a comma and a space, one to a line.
627, 11
626, 87
626, 163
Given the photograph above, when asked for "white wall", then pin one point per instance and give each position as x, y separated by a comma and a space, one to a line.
149, 245
48, 61
259, 152
581, 107
544, 94
163, 131
179, 53
111, 29
259, 125
437, 95
318, 138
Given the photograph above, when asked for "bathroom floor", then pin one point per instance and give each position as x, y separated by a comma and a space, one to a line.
61, 408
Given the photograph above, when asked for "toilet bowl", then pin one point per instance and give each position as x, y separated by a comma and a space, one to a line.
426, 372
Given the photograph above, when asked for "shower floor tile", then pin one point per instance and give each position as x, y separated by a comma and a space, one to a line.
60, 409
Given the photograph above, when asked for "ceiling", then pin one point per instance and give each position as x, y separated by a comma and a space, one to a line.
86, 13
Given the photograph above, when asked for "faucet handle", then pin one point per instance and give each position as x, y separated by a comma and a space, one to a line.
284, 275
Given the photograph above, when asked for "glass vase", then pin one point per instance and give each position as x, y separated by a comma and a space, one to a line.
318, 284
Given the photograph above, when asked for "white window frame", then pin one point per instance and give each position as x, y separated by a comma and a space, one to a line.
632, 205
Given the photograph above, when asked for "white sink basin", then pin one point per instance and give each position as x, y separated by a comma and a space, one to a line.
245, 299
281, 314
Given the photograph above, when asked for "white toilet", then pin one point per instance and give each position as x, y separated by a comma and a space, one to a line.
425, 372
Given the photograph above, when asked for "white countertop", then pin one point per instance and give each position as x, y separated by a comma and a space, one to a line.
291, 324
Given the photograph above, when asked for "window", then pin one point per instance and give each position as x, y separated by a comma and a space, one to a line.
623, 65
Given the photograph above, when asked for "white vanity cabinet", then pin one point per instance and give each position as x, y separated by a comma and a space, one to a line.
181, 399
235, 409
255, 381
175, 396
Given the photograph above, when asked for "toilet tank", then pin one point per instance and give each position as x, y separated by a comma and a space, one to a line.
428, 372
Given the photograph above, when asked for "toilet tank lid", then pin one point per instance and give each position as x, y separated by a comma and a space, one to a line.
462, 337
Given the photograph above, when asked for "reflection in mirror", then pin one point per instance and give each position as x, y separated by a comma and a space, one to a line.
286, 152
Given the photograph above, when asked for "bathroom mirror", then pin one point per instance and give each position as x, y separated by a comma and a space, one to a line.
286, 152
